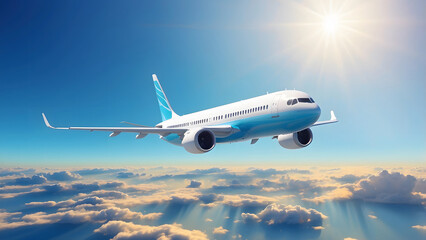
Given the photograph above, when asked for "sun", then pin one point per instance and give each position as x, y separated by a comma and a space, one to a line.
330, 24
333, 37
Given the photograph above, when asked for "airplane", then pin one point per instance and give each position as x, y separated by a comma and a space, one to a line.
284, 115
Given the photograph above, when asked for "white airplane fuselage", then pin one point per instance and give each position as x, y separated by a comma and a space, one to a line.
263, 116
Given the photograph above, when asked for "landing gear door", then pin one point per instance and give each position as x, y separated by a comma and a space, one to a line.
275, 103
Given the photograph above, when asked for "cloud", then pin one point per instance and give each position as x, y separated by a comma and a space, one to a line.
271, 171
60, 204
35, 179
420, 185
81, 187
348, 178
44, 177
234, 186
276, 214
349, 238
210, 197
209, 220
16, 171
246, 200
80, 215
318, 228
208, 171
129, 175
383, 188
194, 184
62, 176
5, 215
182, 196
95, 171
108, 194
125, 230
220, 230
13, 191
372, 216
388, 188
341, 193
419, 227
250, 218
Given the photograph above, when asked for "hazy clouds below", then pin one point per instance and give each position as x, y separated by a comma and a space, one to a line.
214, 203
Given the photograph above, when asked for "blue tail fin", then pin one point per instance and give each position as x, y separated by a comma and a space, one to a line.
165, 108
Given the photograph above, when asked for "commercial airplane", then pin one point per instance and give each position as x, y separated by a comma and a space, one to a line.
285, 115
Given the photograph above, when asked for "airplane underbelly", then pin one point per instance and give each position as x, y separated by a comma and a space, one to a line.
267, 125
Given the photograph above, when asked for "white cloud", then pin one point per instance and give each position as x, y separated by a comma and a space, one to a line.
62, 176
341, 193
286, 214
125, 230
419, 227
250, 218
372, 216
106, 194
79, 215
36, 179
383, 188
388, 188
220, 230
348, 178
129, 175
246, 200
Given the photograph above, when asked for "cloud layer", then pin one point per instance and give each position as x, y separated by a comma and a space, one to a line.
169, 203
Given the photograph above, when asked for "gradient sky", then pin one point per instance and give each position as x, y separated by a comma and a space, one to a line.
90, 64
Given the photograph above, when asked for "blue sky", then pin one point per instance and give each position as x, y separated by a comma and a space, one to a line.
90, 64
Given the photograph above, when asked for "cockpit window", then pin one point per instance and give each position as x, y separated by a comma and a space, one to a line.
312, 100
289, 101
305, 100
294, 101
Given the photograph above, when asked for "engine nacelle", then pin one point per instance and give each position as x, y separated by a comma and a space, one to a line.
296, 140
199, 140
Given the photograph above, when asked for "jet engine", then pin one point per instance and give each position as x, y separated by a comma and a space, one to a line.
296, 140
198, 140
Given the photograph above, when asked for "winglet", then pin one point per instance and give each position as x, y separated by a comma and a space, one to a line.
333, 117
45, 121
48, 124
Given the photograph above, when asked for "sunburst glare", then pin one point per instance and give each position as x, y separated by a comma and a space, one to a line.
331, 23
334, 37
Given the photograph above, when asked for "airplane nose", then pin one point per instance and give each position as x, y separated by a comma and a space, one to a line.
313, 112
317, 111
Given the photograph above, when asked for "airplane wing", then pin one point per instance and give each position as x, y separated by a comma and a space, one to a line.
333, 119
219, 131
